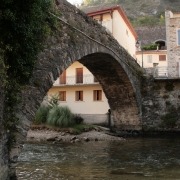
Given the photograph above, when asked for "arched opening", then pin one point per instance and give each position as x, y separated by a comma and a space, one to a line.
92, 98
161, 44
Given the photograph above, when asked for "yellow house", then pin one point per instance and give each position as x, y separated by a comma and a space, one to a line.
116, 22
77, 88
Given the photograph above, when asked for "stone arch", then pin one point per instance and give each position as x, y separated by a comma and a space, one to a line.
94, 48
120, 75
118, 88
78, 37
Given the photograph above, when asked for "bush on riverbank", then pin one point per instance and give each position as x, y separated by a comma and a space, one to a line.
55, 115
41, 114
60, 116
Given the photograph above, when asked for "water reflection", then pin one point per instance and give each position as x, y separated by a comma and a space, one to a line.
135, 159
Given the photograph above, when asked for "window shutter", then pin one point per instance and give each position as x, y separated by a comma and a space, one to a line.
79, 75
63, 78
162, 57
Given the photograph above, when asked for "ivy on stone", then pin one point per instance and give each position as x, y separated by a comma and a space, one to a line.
24, 25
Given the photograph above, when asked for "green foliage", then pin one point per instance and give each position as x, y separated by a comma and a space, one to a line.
150, 47
79, 128
60, 116
41, 114
78, 119
23, 28
24, 25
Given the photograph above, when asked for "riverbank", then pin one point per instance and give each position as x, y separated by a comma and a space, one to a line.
65, 135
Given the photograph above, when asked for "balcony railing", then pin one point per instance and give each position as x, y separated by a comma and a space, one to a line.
165, 73
74, 80
161, 72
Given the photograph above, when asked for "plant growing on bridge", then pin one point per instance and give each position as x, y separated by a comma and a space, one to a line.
24, 26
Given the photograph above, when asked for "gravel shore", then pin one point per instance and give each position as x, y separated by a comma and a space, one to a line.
51, 135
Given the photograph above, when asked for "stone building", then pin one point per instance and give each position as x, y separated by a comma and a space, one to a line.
173, 45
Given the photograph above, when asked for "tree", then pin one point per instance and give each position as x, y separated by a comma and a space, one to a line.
23, 27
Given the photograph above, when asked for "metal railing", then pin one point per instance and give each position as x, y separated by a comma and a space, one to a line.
161, 72
74, 80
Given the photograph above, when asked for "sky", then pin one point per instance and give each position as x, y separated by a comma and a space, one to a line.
75, 1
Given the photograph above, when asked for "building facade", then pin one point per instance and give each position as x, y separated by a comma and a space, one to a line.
173, 45
78, 89
113, 18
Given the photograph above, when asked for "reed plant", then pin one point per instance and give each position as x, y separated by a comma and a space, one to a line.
60, 116
41, 114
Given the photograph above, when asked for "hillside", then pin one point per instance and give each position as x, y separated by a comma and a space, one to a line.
139, 8
142, 12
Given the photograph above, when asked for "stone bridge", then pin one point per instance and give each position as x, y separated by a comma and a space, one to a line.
136, 101
78, 37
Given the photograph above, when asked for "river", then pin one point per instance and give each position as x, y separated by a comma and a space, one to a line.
133, 159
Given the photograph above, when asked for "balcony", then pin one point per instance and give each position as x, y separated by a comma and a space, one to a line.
76, 80
166, 73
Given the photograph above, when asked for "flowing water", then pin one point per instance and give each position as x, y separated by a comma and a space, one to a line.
133, 159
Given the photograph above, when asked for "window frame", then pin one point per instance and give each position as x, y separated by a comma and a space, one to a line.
79, 75
97, 95
62, 96
161, 57
149, 59
78, 95
62, 78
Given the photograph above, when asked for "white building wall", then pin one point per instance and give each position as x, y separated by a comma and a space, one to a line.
122, 33
117, 26
155, 58
88, 105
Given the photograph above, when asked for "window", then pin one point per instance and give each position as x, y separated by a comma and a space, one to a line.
162, 57
79, 75
62, 95
149, 58
63, 78
97, 95
178, 37
79, 95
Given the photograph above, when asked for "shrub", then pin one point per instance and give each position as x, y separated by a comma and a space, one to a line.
60, 116
78, 119
41, 114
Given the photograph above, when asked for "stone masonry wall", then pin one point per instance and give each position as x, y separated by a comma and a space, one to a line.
161, 105
173, 51
3, 139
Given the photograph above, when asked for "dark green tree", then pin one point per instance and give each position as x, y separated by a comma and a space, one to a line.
24, 26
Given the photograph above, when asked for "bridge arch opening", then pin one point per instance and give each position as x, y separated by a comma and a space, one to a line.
117, 88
